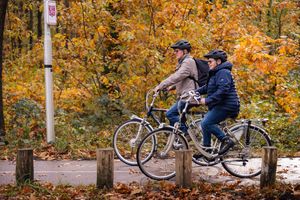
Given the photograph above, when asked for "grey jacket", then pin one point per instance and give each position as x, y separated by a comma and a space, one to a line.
185, 68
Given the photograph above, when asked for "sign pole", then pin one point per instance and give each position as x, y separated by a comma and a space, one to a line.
49, 19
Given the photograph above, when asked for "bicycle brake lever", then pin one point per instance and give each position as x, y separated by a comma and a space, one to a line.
197, 97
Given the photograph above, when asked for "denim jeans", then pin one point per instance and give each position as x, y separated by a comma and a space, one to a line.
209, 124
173, 116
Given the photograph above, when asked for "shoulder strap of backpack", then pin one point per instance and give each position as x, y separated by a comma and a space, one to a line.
193, 78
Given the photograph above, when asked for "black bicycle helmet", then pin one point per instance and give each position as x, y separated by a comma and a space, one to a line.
182, 44
217, 54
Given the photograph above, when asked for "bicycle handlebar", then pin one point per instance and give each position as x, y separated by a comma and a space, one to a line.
191, 95
150, 106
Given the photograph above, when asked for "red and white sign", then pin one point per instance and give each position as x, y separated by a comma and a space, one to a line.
51, 13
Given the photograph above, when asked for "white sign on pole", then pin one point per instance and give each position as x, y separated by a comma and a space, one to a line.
51, 13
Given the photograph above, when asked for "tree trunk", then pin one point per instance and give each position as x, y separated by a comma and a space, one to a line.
30, 27
269, 18
65, 30
39, 20
281, 13
20, 38
3, 6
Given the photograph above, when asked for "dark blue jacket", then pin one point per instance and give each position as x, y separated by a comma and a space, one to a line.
220, 89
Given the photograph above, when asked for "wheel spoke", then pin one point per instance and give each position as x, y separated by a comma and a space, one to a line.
161, 165
125, 142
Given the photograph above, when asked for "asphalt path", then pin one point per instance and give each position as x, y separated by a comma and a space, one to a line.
83, 172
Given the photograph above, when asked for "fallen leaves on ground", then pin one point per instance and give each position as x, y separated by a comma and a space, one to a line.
151, 190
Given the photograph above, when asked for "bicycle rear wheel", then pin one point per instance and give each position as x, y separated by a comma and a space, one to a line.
125, 142
245, 158
161, 164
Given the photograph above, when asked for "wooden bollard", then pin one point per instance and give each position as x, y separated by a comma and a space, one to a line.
24, 166
105, 168
268, 167
183, 166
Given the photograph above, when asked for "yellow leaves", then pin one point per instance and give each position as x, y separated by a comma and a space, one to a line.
71, 99
104, 80
76, 41
59, 36
126, 36
101, 30
134, 81
59, 40
92, 44
128, 41
218, 5
282, 50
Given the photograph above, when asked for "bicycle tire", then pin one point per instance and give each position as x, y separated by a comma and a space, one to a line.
124, 134
246, 162
161, 165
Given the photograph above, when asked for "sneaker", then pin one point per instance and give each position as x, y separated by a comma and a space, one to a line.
227, 144
198, 156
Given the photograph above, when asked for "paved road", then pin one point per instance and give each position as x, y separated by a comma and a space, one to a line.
84, 172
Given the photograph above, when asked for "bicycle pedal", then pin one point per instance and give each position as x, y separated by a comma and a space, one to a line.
177, 146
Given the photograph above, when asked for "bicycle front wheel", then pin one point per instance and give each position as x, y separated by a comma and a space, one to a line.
161, 164
126, 140
245, 158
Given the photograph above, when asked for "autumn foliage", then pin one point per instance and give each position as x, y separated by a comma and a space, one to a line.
108, 53
151, 190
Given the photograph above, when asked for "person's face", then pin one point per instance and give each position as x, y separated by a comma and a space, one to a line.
212, 63
178, 53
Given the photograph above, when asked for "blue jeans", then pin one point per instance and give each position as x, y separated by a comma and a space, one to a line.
173, 116
209, 124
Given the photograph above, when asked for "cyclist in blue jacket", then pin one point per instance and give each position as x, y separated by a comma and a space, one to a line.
222, 99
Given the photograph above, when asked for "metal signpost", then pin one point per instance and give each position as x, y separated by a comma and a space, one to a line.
50, 18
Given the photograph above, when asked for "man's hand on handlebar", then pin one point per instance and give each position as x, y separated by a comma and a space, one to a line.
156, 89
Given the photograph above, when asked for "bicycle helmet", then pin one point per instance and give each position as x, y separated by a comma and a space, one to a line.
217, 54
182, 44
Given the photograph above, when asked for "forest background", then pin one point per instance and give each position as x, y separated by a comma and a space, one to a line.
108, 53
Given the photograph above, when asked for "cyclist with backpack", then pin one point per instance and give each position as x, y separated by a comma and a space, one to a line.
183, 79
222, 99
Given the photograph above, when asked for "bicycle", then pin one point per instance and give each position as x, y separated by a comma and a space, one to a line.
129, 134
243, 160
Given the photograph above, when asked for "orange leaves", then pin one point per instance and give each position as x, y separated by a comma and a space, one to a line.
121, 49
102, 30
123, 189
288, 99
263, 66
